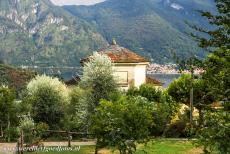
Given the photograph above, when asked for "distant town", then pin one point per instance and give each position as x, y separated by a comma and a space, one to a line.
167, 69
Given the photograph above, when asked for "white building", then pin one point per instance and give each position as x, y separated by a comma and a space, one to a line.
130, 68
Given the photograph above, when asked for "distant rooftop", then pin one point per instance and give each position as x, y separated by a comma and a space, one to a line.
120, 54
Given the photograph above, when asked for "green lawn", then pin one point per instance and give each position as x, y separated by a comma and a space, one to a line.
153, 147
168, 147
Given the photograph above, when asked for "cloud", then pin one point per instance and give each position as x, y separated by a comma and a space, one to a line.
76, 2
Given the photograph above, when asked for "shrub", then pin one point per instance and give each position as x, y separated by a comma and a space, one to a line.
148, 91
178, 127
164, 108
123, 123
27, 125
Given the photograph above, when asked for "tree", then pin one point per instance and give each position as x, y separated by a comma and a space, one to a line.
215, 134
217, 72
148, 91
49, 99
7, 109
77, 110
221, 21
180, 91
98, 78
123, 123
164, 107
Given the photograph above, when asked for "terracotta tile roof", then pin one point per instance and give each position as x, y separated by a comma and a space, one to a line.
120, 55
151, 80
73, 81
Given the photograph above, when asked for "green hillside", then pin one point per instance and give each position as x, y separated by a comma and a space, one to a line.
35, 32
14, 77
153, 28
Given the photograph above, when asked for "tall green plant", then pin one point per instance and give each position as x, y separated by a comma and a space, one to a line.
98, 78
7, 109
123, 123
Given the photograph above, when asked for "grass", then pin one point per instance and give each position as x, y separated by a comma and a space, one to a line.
167, 147
153, 147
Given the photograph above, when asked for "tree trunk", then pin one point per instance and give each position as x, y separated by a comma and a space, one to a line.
200, 117
96, 148
69, 139
2, 134
8, 127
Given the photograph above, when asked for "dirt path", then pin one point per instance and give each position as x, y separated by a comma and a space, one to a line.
10, 148
7, 148
195, 151
66, 143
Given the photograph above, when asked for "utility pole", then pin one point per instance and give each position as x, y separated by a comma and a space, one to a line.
191, 96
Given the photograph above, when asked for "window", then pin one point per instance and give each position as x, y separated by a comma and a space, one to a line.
122, 77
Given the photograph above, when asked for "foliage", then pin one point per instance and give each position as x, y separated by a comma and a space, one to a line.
77, 110
148, 91
45, 81
49, 99
220, 35
164, 107
40, 130
27, 125
179, 89
15, 78
98, 78
123, 123
179, 126
217, 72
163, 113
8, 112
215, 134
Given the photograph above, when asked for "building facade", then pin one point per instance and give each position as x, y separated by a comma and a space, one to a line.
130, 69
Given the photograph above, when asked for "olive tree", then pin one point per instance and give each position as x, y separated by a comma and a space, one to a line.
76, 119
49, 98
98, 78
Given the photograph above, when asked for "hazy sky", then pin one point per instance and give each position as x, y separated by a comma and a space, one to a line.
76, 2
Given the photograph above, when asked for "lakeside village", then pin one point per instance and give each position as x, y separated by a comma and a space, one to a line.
155, 68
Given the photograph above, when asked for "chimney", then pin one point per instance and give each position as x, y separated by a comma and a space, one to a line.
114, 42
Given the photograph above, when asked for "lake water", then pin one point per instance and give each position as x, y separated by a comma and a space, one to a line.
165, 78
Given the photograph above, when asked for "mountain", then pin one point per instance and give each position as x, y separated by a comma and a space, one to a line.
36, 32
153, 28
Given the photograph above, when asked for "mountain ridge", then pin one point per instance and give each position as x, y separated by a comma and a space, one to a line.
153, 28
38, 33
44, 33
